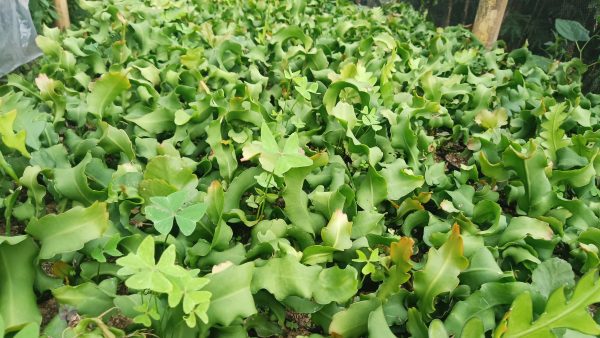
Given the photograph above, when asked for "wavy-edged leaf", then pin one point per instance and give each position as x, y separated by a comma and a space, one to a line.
552, 134
17, 298
440, 274
105, 90
284, 277
231, 294
337, 232
560, 312
70, 230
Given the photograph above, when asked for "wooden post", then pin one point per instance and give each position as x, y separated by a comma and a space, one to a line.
62, 9
488, 20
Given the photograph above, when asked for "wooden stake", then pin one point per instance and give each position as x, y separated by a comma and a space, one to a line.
62, 9
488, 20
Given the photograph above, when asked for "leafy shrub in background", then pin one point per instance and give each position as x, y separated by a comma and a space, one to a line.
199, 168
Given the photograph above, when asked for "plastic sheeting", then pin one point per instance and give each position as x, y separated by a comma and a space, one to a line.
17, 35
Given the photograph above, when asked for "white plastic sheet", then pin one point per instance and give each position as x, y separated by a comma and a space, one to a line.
17, 35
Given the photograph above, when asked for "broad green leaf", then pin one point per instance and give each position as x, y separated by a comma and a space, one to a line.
17, 272
105, 90
372, 190
231, 295
571, 30
522, 226
400, 255
560, 312
530, 166
88, 298
336, 233
353, 322
35, 190
400, 182
9, 137
553, 135
335, 285
377, 325
224, 152
483, 269
551, 275
73, 183
69, 231
437, 329
473, 329
344, 112
296, 200
115, 140
482, 305
440, 274
284, 277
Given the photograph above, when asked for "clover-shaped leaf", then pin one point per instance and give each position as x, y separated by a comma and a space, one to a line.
142, 271
166, 208
195, 302
273, 158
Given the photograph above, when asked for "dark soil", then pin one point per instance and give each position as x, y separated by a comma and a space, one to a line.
303, 326
48, 309
119, 321
451, 152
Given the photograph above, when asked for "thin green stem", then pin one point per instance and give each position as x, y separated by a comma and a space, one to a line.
261, 207
4, 165
9, 203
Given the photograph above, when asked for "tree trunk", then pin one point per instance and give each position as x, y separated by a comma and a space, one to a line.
466, 11
62, 10
449, 14
488, 20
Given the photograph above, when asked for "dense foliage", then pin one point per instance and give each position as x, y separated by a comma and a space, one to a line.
280, 168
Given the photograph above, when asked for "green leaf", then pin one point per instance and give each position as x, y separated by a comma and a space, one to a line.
88, 298
529, 166
224, 152
296, 200
70, 230
441, 271
560, 312
164, 210
36, 191
372, 190
482, 305
353, 322
571, 30
337, 232
335, 285
401, 181
437, 329
400, 255
275, 159
17, 298
115, 140
344, 112
482, 269
284, 277
522, 226
73, 183
553, 135
144, 274
231, 295
9, 138
551, 275
377, 325
105, 90
473, 329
